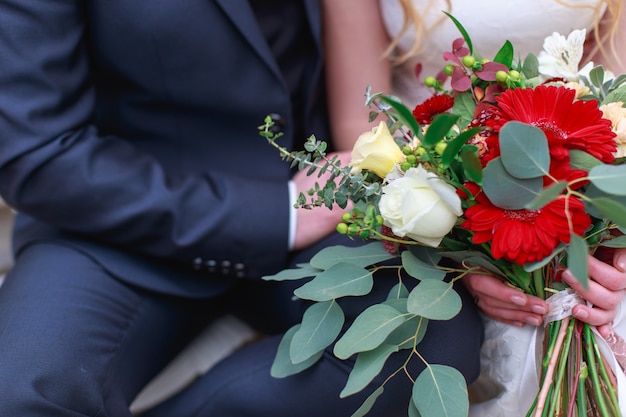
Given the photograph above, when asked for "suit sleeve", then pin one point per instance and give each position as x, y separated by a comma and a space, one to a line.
57, 167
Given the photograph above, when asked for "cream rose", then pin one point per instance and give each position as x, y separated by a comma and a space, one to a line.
421, 206
376, 151
616, 113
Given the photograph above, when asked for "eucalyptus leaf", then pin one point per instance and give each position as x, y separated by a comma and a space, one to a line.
366, 367
613, 210
533, 266
339, 280
471, 259
368, 330
609, 178
303, 271
419, 269
524, 150
409, 334
548, 195
413, 411
282, 366
398, 291
530, 67
582, 160
594, 193
368, 403
615, 242
508, 192
320, 326
434, 300
364, 255
439, 128
441, 390
577, 259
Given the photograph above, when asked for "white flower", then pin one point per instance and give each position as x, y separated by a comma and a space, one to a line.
421, 206
561, 56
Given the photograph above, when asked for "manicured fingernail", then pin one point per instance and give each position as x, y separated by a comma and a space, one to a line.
518, 299
533, 320
581, 313
539, 309
620, 262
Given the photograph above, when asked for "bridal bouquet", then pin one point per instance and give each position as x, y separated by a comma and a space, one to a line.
512, 168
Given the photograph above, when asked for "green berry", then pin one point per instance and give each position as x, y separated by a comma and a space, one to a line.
430, 81
342, 228
515, 75
448, 69
405, 166
502, 76
468, 61
346, 217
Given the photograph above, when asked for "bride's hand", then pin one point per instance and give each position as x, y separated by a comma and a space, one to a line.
606, 291
503, 303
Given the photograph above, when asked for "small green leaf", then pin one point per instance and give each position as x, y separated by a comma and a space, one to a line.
472, 166
363, 255
505, 54
464, 106
293, 274
409, 334
508, 192
547, 195
282, 366
367, 366
398, 291
441, 390
454, 146
609, 178
368, 330
596, 76
419, 269
524, 150
321, 324
339, 280
439, 128
436, 300
577, 262
368, 403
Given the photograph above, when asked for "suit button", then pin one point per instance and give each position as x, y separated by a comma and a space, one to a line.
225, 267
240, 270
197, 264
211, 265
279, 122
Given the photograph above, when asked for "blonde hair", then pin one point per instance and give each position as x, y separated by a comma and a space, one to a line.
604, 30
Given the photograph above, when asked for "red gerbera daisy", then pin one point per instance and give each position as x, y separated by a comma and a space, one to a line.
568, 124
425, 112
523, 236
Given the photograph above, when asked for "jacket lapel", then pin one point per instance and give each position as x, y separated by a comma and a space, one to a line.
242, 16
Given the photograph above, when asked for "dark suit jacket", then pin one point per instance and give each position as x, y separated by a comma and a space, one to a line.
128, 129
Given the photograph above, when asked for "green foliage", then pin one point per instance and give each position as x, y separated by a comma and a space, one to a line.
441, 391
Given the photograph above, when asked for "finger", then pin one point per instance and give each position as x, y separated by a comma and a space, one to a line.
607, 275
512, 316
594, 316
596, 293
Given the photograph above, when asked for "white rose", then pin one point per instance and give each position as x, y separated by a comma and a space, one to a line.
421, 206
376, 151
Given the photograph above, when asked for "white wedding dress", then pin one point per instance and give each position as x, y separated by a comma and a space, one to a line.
509, 375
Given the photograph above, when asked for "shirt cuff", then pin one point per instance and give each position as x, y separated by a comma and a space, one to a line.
293, 213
